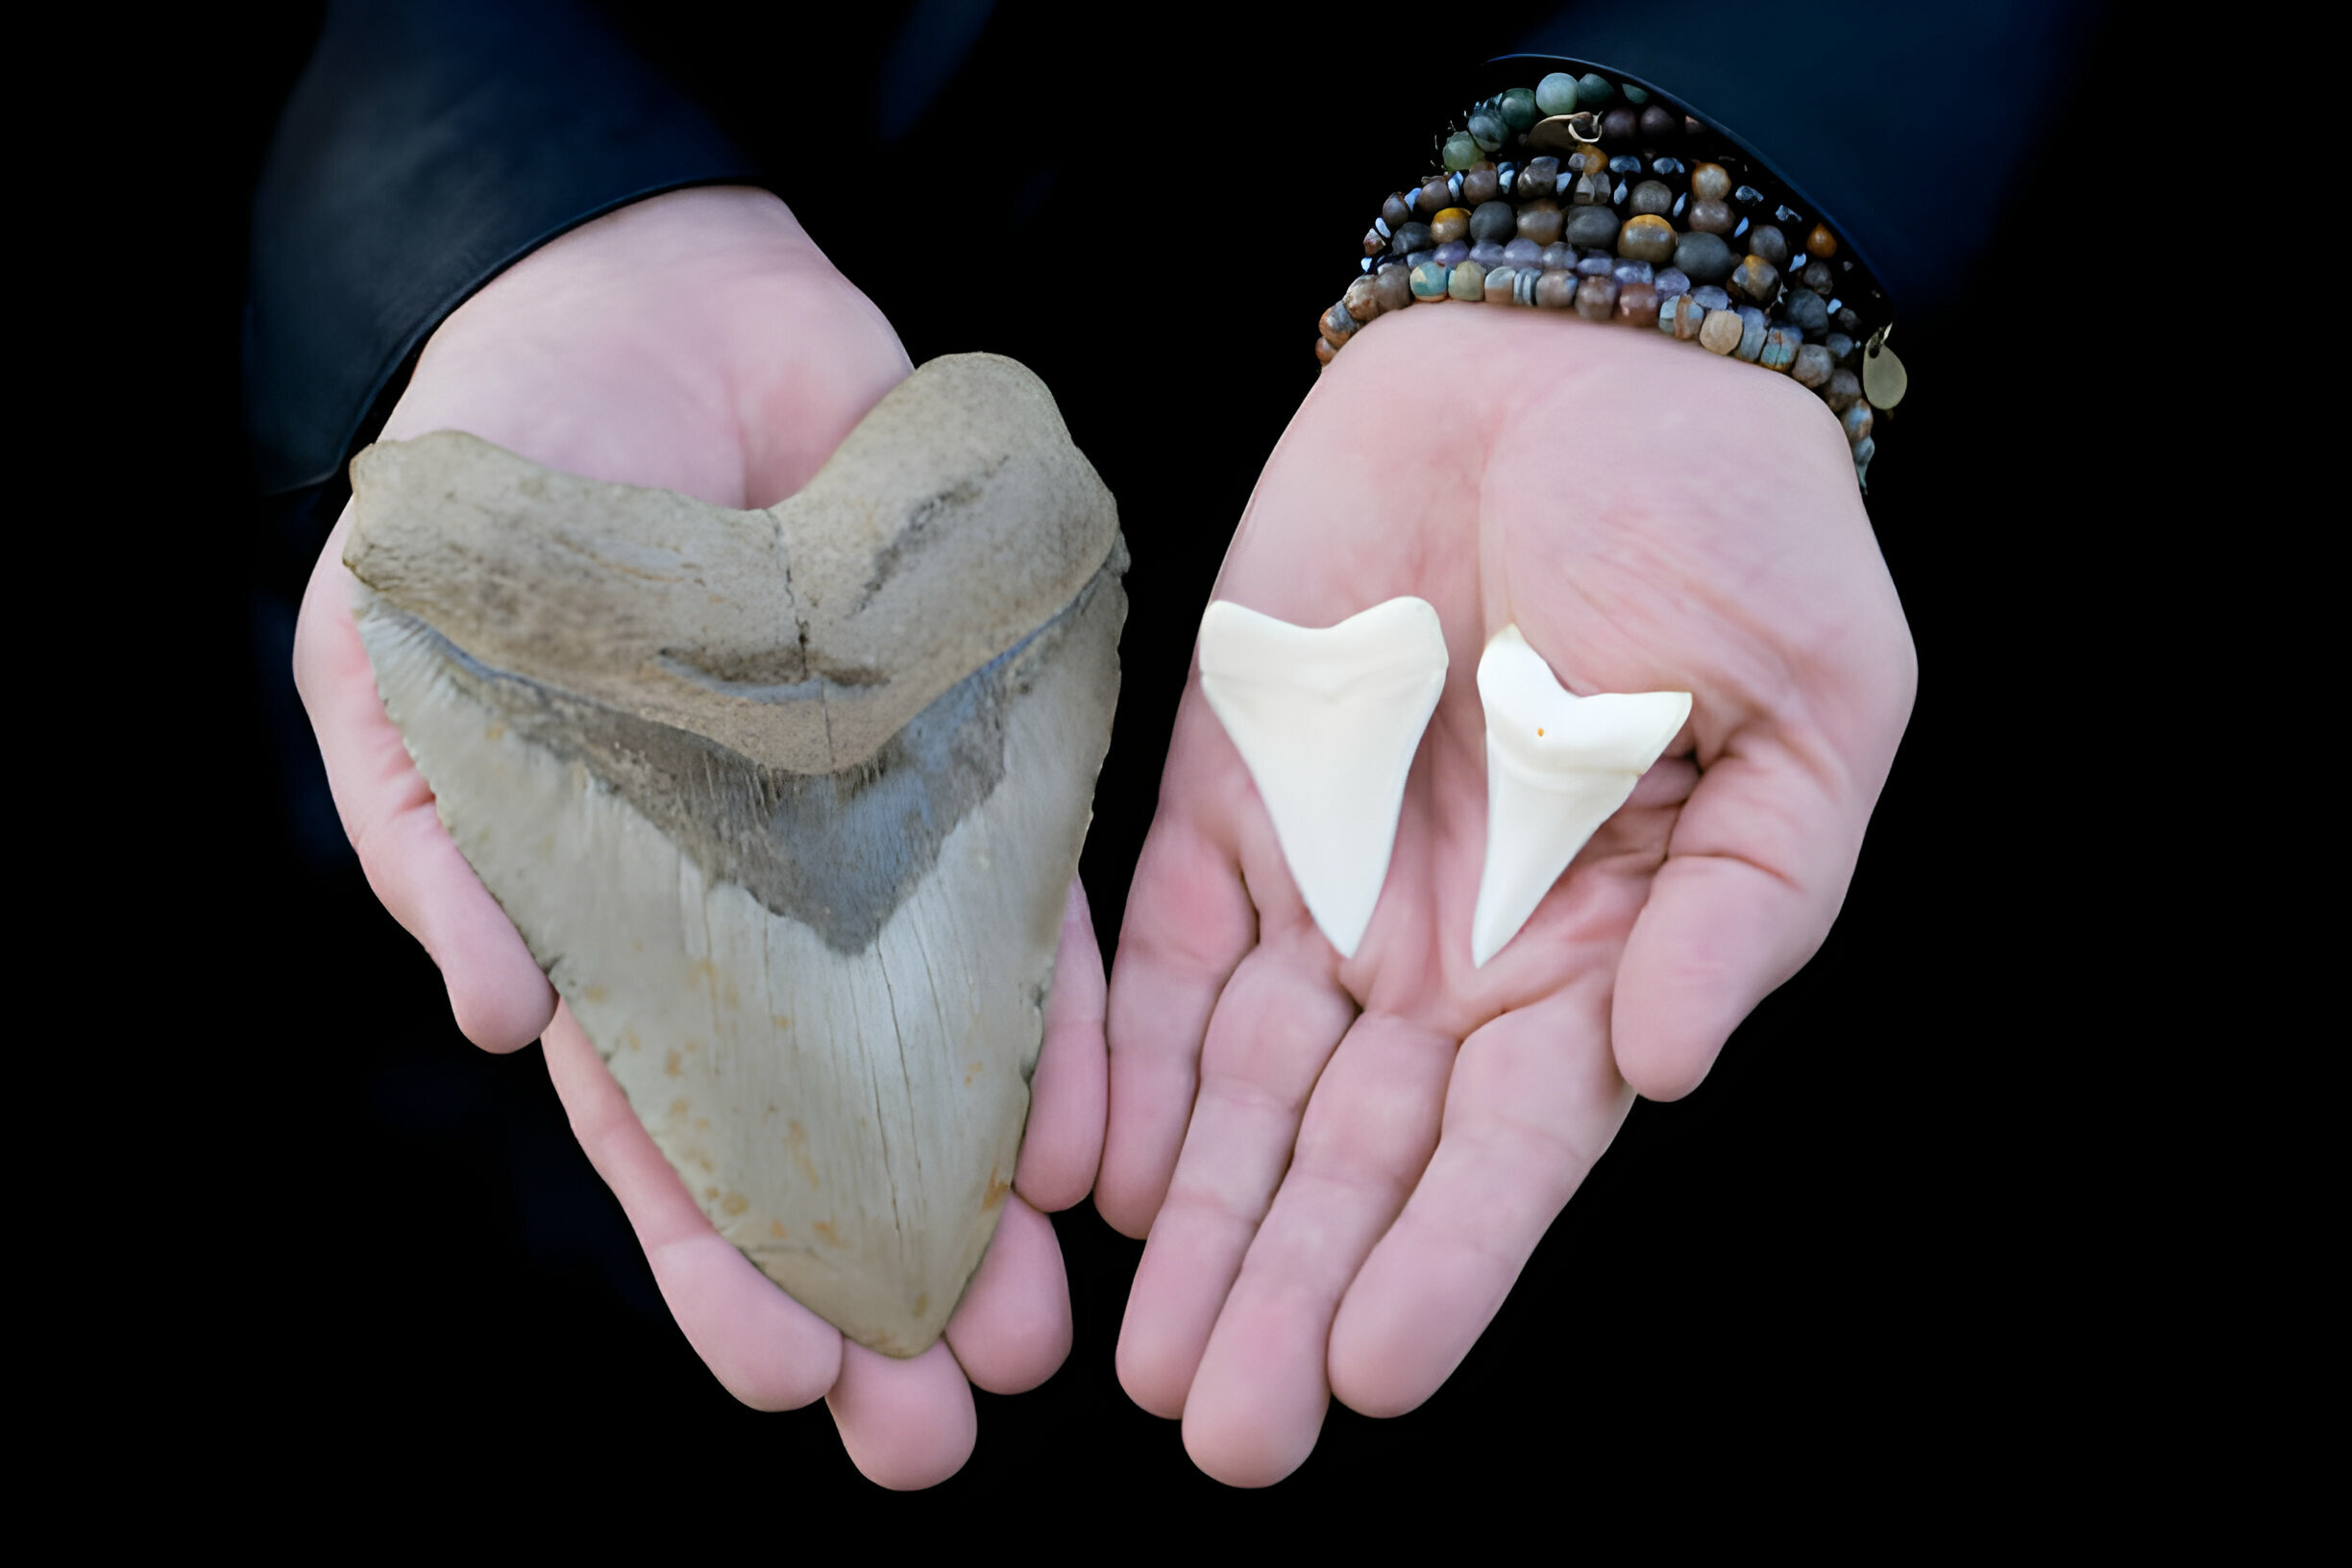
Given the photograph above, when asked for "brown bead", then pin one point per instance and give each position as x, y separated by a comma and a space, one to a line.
1481, 182
1812, 367
1395, 211
1689, 316
1436, 196
1658, 122
1540, 220
1539, 176
1820, 244
1450, 225
1374, 242
1844, 388
1324, 351
1758, 279
1587, 159
1337, 325
1597, 298
1710, 181
1770, 243
1638, 304
1709, 215
1393, 287
1620, 124
1555, 290
1857, 418
1647, 237
1652, 196
1819, 279
1361, 298
1719, 333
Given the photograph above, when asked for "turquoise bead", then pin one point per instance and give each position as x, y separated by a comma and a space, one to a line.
1557, 93
1461, 150
1593, 90
1431, 281
1636, 96
1487, 131
1519, 107
1753, 328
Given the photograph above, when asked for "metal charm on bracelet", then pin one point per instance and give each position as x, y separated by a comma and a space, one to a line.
1593, 191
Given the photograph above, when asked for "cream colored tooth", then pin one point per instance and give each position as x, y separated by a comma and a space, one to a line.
1557, 766
1328, 721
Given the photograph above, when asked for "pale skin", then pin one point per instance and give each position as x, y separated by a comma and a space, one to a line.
1342, 1166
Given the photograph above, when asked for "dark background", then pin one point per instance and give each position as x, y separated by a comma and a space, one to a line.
1853, 1261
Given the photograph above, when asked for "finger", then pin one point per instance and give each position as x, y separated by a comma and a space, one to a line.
1533, 1101
1189, 924
905, 1424
498, 994
764, 1347
1012, 1330
1274, 1028
1070, 1095
1754, 874
1257, 1401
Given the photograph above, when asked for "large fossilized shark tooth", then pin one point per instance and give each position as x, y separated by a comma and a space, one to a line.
785, 801
1327, 721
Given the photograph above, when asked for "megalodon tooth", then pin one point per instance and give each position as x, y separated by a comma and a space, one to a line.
786, 801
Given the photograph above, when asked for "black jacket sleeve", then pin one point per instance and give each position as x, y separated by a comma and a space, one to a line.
430, 144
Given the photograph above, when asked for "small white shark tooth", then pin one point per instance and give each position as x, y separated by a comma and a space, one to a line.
1327, 721
1557, 766
786, 801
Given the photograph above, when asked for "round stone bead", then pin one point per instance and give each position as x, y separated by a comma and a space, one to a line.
1770, 243
1337, 325
1557, 93
1863, 451
1523, 252
1434, 196
1619, 124
1638, 304
1481, 185
1410, 237
1672, 281
1432, 280
1597, 299
1781, 346
1324, 351
1450, 225
1497, 221
1393, 285
1690, 318
1592, 188
1461, 150
1395, 213
1820, 244
1720, 332
1703, 257
1651, 197
1598, 264
1753, 328
1710, 181
1487, 130
1374, 242
1591, 228
1593, 91
1555, 290
1587, 160
1709, 217
1468, 282
1857, 420
1560, 257
1634, 95
1632, 272
1817, 279
1500, 282
1450, 255
1487, 254
1844, 391
1538, 177
1805, 311
1756, 278
1811, 366
1361, 298
1713, 298
1658, 122
1849, 321
1841, 346
1647, 237
1518, 108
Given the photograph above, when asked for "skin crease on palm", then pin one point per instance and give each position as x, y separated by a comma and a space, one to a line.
699, 342
1342, 1166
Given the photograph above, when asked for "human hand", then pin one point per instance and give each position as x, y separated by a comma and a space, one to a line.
700, 342
1343, 1165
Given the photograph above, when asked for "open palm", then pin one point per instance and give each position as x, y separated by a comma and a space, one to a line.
1342, 1164
698, 342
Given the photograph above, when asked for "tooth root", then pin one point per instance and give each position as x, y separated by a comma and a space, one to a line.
1557, 766
1327, 721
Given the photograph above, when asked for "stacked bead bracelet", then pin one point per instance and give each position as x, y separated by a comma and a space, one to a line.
1597, 194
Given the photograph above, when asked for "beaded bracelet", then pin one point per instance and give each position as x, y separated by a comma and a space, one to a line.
1563, 196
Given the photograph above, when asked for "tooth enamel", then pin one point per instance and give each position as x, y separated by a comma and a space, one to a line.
1557, 766
1327, 721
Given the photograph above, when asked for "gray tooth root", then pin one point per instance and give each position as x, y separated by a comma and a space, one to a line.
786, 802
